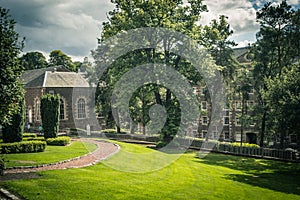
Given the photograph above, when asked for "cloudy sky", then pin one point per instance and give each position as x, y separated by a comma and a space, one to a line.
73, 26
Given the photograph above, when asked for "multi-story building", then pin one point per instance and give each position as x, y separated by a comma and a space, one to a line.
233, 126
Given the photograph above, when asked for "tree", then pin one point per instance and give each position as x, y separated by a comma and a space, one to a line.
284, 95
135, 14
216, 40
11, 90
50, 115
272, 52
57, 57
33, 60
13, 132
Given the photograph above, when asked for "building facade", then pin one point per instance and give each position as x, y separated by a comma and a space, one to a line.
76, 107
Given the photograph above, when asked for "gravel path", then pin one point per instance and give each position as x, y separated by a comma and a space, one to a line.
103, 151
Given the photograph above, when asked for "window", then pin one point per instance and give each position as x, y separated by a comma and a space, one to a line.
226, 120
29, 115
38, 110
204, 133
81, 108
215, 135
226, 107
250, 103
226, 134
237, 121
251, 91
252, 123
62, 109
238, 105
204, 120
203, 91
203, 105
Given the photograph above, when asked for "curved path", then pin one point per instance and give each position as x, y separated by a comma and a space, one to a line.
103, 151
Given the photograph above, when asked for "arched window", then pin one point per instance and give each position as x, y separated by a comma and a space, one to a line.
38, 110
81, 108
62, 109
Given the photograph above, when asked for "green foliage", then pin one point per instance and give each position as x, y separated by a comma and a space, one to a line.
57, 57
136, 14
284, 95
13, 132
277, 47
2, 165
33, 60
52, 154
215, 176
11, 89
29, 135
59, 141
50, 115
23, 147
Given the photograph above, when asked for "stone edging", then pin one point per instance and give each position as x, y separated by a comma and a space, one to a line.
69, 160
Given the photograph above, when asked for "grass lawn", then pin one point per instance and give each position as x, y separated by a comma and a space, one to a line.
215, 176
50, 155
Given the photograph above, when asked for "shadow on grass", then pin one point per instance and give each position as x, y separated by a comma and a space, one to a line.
269, 174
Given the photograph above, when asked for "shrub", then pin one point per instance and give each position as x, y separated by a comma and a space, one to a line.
59, 141
2, 166
34, 139
23, 147
50, 115
13, 131
29, 135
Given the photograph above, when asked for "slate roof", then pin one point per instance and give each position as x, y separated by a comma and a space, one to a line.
64, 79
57, 76
241, 54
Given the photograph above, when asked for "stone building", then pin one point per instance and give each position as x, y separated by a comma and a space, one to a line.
76, 110
232, 126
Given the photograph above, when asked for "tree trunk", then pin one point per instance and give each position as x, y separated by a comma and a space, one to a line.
263, 128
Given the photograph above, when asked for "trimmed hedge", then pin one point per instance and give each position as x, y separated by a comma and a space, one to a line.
50, 114
59, 141
29, 135
34, 139
23, 147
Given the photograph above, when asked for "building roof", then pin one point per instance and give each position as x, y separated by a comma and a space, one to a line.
64, 79
57, 76
241, 54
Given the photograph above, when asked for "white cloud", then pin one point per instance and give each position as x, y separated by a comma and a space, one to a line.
244, 43
241, 14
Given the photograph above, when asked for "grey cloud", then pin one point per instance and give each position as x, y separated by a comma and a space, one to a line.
72, 26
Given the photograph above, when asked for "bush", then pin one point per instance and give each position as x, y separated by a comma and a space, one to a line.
13, 131
113, 131
23, 147
50, 115
59, 141
34, 139
29, 135
2, 166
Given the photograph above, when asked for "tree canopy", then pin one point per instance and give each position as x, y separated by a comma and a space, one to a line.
11, 89
127, 15
277, 47
33, 60
57, 57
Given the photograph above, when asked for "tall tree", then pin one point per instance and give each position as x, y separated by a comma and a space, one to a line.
128, 15
272, 52
33, 60
57, 57
216, 40
284, 95
11, 89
